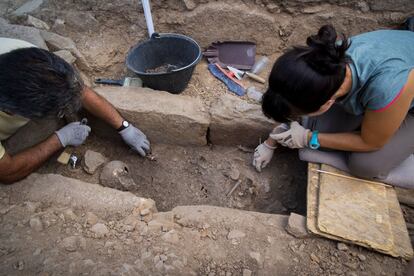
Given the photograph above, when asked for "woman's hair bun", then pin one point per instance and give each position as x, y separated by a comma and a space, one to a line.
325, 53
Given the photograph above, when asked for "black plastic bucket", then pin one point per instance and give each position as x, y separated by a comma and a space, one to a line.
179, 53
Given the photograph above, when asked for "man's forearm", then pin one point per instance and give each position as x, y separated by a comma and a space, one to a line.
101, 108
14, 168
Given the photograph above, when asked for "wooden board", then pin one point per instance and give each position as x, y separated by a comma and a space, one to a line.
401, 245
354, 211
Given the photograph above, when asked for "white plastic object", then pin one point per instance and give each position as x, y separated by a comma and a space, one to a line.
254, 94
148, 17
259, 65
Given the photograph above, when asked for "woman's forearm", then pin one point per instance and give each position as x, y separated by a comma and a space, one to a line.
345, 141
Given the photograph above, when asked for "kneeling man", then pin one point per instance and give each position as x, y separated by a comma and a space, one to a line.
37, 84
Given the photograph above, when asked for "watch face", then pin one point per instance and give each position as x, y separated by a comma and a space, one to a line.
125, 124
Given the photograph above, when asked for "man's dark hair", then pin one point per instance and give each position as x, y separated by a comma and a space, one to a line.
35, 83
305, 78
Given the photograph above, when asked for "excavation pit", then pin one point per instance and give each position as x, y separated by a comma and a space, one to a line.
203, 175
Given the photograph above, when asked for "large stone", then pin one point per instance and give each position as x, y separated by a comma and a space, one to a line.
237, 122
25, 33
52, 189
37, 23
163, 117
28, 7
92, 161
297, 226
57, 42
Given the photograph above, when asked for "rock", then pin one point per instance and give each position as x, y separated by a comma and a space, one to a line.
100, 229
70, 243
341, 246
32, 207
363, 6
163, 117
28, 7
171, 237
57, 42
92, 161
273, 8
314, 258
36, 224
66, 56
247, 272
362, 257
189, 4
237, 122
297, 226
37, 23
115, 175
145, 212
25, 33
37, 252
353, 266
69, 214
235, 234
59, 26
234, 174
91, 218
258, 258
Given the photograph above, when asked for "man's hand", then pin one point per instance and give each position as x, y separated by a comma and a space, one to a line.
296, 137
73, 134
136, 139
262, 156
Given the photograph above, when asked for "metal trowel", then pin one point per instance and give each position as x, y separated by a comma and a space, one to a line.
126, 82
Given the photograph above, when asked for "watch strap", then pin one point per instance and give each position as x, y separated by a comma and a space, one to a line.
314, 141
123, 126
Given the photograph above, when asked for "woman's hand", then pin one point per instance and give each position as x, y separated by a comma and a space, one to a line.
262, 155
294, 137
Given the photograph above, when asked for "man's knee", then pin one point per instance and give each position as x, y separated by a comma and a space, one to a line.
366, 168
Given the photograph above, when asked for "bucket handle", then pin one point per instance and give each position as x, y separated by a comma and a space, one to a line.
155, 36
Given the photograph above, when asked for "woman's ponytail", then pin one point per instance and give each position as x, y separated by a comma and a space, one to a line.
326, 55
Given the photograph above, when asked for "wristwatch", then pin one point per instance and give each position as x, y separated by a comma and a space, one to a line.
314, 142
124, 125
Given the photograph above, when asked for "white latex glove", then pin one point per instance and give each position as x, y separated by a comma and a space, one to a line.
296, 137
136, 139
73, 134
262, 156
280, 128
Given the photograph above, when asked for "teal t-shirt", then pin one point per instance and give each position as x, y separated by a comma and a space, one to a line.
381, 63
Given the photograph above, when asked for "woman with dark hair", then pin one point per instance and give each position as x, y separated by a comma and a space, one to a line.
355, 98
